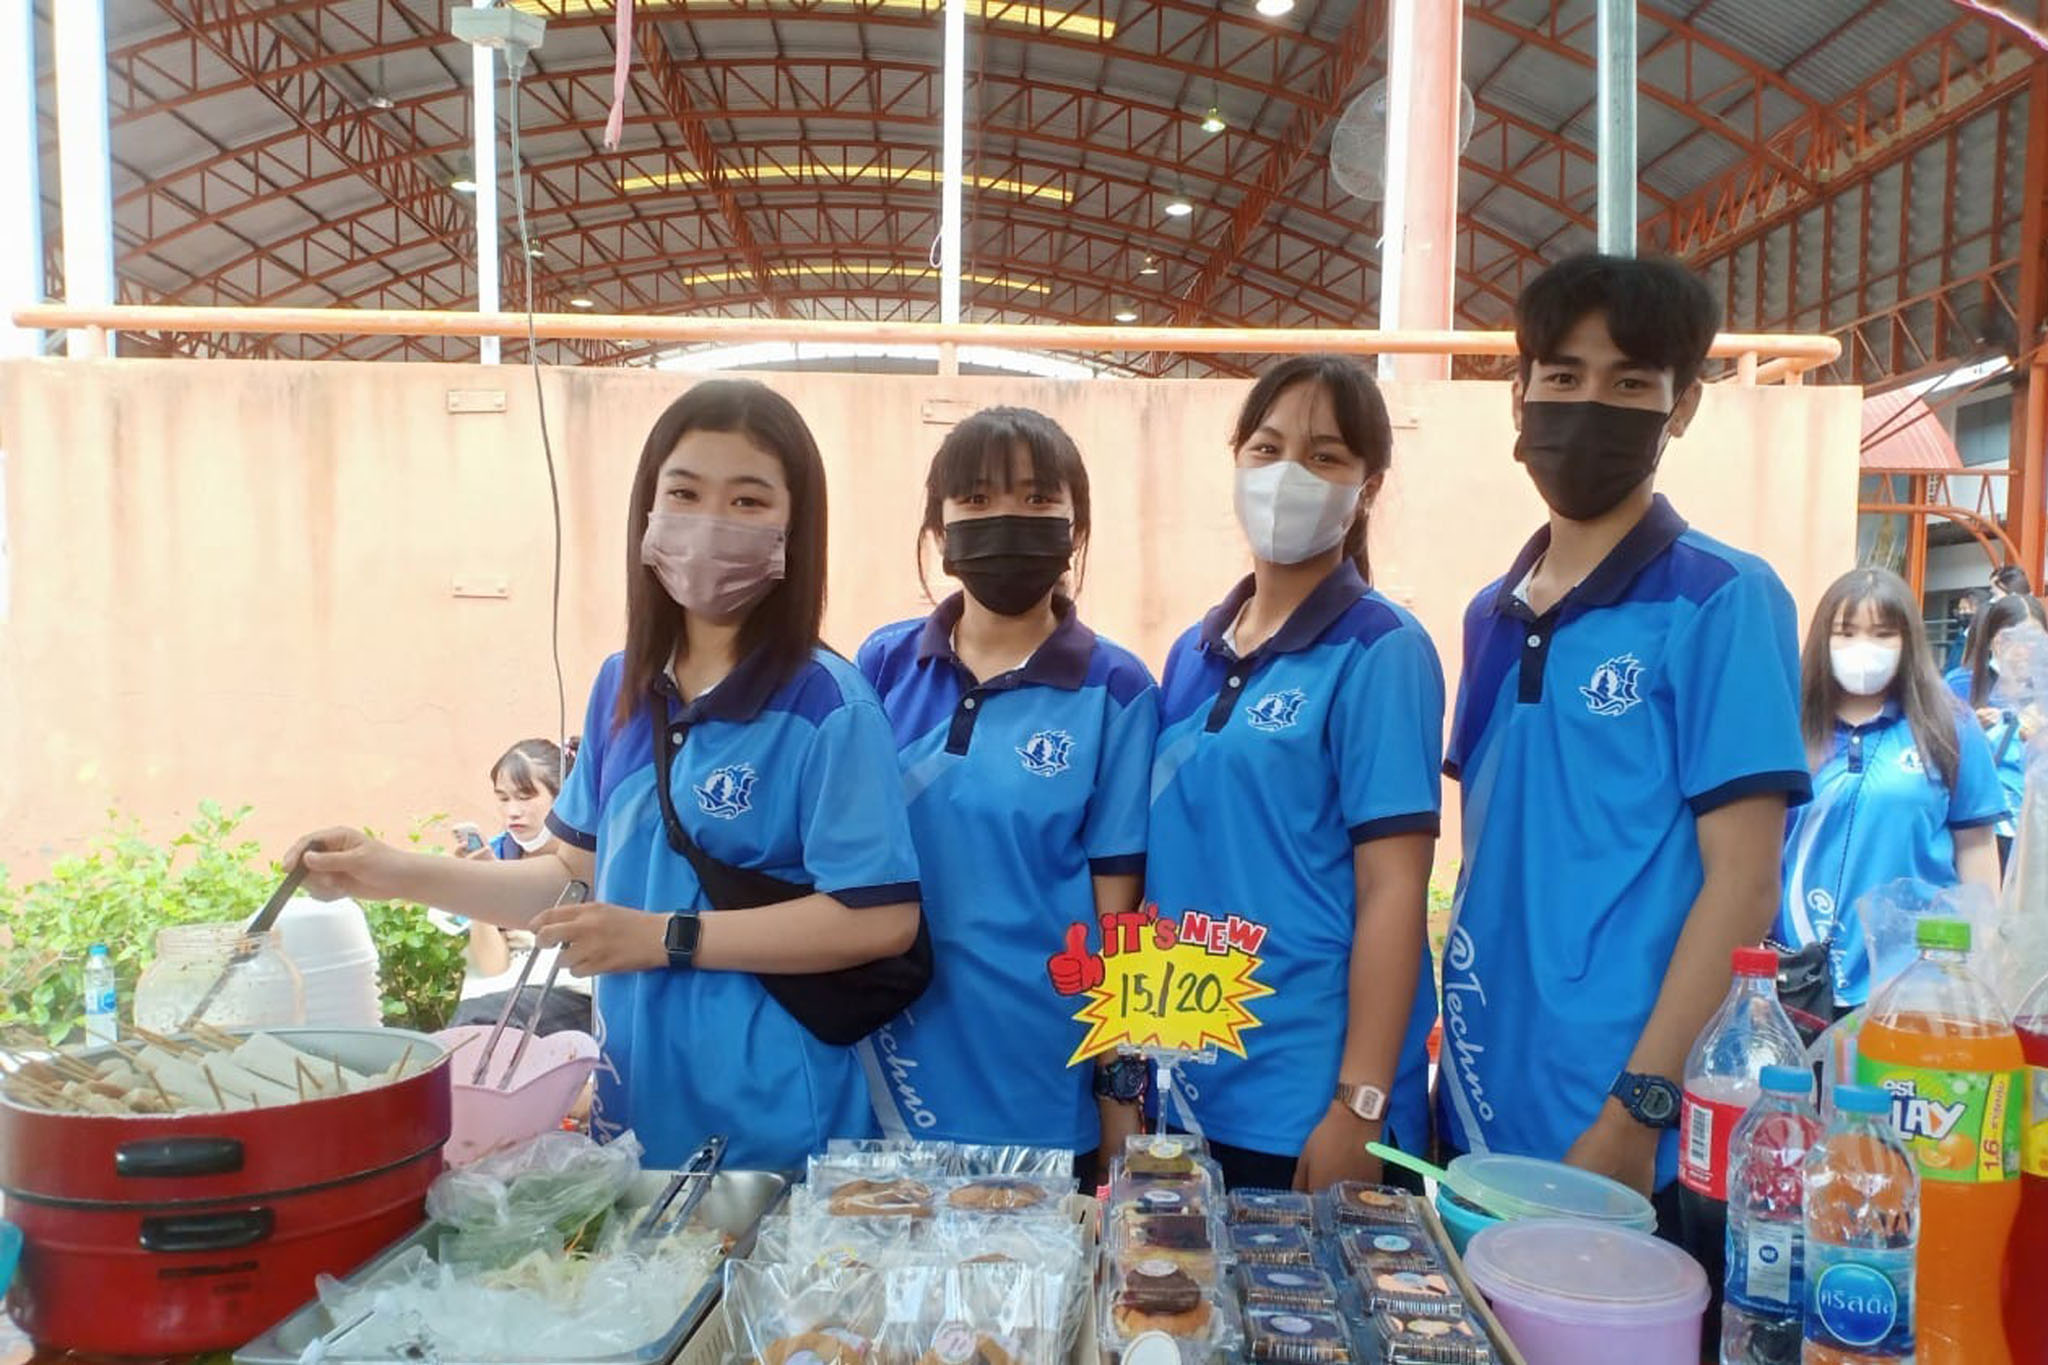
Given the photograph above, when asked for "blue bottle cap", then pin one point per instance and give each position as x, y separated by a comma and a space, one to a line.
97, 950
1788, 1080
1862, 1099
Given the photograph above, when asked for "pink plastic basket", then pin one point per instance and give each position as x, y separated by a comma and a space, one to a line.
550, 1077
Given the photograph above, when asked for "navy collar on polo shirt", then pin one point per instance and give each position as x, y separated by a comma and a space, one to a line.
1330, 599
1657, 532
1061, 660
737, 697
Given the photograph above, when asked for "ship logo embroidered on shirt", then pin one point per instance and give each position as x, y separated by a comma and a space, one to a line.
1045, 753
1612, 692
1276, 710
728, 792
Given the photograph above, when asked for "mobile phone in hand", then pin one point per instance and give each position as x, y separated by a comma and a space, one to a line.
468, 838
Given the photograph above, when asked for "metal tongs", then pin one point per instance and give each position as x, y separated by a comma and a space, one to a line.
697, 1172
575, 893
265, 921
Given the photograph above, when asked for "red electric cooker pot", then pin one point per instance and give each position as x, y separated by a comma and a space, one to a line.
174, 1234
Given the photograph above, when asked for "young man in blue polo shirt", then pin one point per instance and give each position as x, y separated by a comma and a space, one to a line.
1626, 742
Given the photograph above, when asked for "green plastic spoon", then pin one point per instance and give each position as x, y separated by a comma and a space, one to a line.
1452, 1180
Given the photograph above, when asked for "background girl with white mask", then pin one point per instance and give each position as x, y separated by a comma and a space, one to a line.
1903, 782
1297, 784
2004, 729
1025, 741
725, 728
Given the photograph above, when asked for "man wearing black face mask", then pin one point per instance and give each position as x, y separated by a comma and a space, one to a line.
1626, 744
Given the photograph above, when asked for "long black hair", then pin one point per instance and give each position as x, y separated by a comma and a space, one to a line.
1917, 689
977, 454
783, 627
530, 767
1362, 421
2002, 615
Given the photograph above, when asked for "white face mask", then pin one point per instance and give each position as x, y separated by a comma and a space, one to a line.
1289, 514
534, 845
1864, 668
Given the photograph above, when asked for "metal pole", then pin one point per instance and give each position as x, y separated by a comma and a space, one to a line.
484, 152
1418, 250
1617, 112
21, 225
954, 152
83, 175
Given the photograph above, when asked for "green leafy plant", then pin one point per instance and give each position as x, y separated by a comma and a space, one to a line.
120, 888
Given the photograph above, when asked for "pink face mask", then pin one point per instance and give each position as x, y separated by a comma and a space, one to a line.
714, 566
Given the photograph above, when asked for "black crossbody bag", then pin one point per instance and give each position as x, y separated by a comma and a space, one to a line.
840, 1007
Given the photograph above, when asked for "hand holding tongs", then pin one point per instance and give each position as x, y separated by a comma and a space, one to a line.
265, 921
575, 893
700, 1168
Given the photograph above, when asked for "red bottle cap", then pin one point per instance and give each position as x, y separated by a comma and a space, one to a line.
1756, 962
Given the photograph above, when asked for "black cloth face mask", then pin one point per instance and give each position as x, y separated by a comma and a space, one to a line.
1009, 564
1586, 457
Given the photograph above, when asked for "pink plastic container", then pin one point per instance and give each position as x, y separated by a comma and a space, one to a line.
550, 1077
1573, 1293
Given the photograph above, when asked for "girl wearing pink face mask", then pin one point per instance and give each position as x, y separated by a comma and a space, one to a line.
780, 770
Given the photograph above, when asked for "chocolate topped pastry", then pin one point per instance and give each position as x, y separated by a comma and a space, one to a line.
1291, 1286
881, 1199
1271, 1206
1272, 1244
1412, 1340
1161, 1158
1294, 1337
1353, 1201
1171, 1232
1158, 1296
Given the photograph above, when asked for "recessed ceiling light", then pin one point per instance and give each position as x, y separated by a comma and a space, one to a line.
1178, 207
379, 101
1212, 122
462, 184
1273, 9
581, 302
1125, 315
1151, 266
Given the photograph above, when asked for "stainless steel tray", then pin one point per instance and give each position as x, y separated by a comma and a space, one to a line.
734, 1206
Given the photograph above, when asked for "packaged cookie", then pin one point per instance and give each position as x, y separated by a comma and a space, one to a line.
871, 1198
1353, 1203
1394, 1339
1271, 1206
1288, 1286
1158, 1296
1270, 1244
1292, 1336
795, 1315
1421, 1293
1365, 1250
1009, 1194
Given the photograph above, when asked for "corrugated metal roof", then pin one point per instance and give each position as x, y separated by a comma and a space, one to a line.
1901, 432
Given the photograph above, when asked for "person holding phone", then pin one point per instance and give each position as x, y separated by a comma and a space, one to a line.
779, 762
1025, 741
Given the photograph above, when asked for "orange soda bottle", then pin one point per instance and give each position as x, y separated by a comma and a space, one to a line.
1938, 1041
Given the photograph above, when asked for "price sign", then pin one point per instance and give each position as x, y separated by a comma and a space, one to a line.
1180, 984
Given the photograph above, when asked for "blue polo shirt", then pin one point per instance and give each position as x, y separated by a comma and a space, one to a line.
1879, 813
797, 780
506, 849
1587, 743
1022, 790
1271, 770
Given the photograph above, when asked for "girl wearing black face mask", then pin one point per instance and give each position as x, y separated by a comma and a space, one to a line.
1026, 748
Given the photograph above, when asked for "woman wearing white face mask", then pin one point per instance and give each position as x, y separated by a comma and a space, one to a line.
1297, 785
1903, 782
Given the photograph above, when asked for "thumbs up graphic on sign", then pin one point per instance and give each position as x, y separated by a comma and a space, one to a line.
1074, 969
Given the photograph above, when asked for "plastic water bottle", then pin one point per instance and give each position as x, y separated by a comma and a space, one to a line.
1862, 1232
1763, 1320
101, 1009
1722, 1080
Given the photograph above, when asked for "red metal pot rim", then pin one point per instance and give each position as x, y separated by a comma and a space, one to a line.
239, 1197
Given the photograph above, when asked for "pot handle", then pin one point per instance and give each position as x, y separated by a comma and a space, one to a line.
163, 1158
207, 1231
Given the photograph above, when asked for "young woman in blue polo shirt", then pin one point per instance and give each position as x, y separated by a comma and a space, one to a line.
781, 764
2004, 730
1297, 785
1903, 783
1026, 746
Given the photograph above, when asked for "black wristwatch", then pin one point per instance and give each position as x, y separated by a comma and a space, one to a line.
681, 939
1122, 1079
1650, 1100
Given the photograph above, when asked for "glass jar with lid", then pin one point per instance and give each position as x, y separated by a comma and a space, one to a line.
261, 988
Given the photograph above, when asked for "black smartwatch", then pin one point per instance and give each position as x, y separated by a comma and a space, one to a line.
1650, 1100
1122, 1079
681, 938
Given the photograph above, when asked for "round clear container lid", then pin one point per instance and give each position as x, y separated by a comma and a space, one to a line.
1514, 1187
1596, 1272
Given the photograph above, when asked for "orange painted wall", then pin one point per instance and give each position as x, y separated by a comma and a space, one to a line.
249, 580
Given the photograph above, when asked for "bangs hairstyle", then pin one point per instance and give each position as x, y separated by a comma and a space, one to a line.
783, 626
1362, 421
2002, 615
1917, 690
530, 767
976, 457
1659, 313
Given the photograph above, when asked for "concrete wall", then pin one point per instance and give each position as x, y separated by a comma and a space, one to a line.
317, 589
